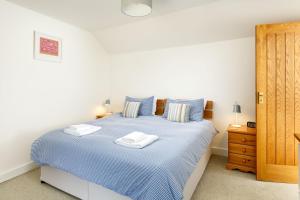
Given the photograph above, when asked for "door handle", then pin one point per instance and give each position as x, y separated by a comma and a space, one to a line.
260, 98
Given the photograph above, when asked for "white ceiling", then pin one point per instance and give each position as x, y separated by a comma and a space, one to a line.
172, 23
215, 21
99, 14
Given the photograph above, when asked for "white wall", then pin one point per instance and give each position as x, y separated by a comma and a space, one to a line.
38, 96
223, 72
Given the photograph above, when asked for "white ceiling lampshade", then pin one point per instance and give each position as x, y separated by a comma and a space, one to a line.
136, 8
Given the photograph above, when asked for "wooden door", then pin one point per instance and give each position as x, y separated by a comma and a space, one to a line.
278, 89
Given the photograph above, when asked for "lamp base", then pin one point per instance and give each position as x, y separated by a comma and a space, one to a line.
236, 125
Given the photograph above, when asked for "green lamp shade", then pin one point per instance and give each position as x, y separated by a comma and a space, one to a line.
237, 108
107, 102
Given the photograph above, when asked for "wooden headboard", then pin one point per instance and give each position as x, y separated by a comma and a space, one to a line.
160, 106
208, 111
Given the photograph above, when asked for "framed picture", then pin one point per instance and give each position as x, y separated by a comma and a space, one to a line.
47, 48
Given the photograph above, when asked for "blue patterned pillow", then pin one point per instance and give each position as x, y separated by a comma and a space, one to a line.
146, 107
197, 108
179, 112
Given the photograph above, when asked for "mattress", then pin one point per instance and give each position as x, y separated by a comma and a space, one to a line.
158, 171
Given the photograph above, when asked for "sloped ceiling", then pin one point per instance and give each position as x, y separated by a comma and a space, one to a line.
172, 23
220, 20
99, 14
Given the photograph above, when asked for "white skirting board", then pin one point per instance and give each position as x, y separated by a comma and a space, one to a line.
89, 191
22, 169
220, 151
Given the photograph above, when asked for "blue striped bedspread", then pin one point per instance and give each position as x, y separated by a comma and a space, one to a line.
158, 171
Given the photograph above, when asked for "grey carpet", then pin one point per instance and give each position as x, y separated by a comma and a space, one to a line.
217, 183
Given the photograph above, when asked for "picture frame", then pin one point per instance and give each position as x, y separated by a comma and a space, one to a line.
47, 48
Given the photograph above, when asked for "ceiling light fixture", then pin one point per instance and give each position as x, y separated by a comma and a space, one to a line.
136, 8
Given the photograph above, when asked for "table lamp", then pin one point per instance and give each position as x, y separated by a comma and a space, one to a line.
236, 110
107, 105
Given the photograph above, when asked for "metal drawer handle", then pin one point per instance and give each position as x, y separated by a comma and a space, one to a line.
244, 140
244, 150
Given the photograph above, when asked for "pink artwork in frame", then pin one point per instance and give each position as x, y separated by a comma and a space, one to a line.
47, 48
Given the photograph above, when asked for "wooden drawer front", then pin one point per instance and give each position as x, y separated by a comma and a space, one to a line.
242, 160
242, 139
242, 149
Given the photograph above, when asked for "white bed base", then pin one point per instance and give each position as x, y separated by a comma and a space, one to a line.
86, 190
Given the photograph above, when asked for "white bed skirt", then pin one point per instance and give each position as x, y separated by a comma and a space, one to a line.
89, 191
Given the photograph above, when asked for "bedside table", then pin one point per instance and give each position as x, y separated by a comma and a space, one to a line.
103, 115
242, 149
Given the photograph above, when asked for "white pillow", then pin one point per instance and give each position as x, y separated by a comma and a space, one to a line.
154, 105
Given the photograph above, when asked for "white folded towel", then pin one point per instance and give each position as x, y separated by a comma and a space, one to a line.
81, 129
136, 140
134, 137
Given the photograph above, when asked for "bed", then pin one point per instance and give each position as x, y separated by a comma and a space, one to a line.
94, 167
